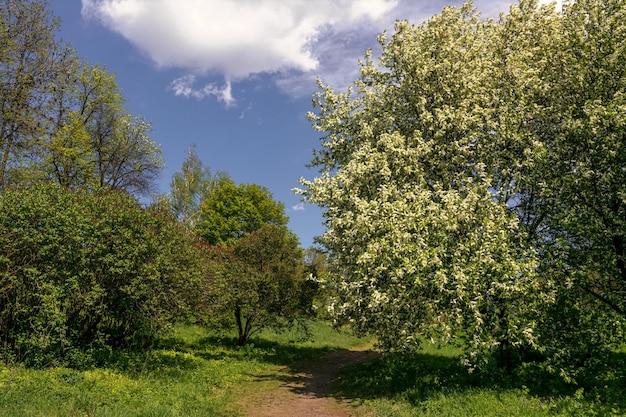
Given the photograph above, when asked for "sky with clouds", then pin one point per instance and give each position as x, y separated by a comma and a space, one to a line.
236, 77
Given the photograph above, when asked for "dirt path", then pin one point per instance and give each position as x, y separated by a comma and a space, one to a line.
306, 388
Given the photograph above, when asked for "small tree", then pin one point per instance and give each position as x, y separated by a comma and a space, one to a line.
270, 293
260, 263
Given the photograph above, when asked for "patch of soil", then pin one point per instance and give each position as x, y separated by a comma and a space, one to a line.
306, 388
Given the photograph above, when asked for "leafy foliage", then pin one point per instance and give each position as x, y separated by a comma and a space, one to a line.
473, 180
61, 118
270, 293
80, 271
230, 211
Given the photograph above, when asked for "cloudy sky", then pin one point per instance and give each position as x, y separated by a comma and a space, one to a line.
235, 77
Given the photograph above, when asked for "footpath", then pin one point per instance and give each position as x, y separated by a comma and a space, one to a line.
305, 391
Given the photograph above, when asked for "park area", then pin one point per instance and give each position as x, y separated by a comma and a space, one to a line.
471, 184
194, 372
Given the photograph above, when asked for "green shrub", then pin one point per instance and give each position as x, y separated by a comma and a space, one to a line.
82, 271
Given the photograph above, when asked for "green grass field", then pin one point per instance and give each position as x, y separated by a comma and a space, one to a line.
195, 372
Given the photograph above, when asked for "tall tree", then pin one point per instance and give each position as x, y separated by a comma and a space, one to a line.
63, 119
97, 142
32, 65
473, 180
190, 186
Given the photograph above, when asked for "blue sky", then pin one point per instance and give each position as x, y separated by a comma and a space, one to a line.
236, 77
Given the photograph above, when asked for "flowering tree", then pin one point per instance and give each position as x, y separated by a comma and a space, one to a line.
463, 176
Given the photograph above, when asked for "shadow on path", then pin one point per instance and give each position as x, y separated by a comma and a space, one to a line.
315, 377
306, 387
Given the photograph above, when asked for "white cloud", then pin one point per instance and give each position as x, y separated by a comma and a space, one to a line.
294, 40
184, 86
298, 207
236, 38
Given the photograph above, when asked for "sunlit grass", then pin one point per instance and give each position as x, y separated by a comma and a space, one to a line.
196, 372
193, 372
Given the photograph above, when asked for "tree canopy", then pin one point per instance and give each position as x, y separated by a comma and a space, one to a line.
473, 180
230, 211
62, 119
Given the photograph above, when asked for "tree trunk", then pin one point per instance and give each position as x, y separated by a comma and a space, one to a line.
8, 142
243, 329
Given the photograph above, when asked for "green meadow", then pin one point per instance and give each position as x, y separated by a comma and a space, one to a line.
197, 372
193, 372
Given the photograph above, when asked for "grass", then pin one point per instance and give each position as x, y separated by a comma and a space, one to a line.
433, 383
196, 372
193, 372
